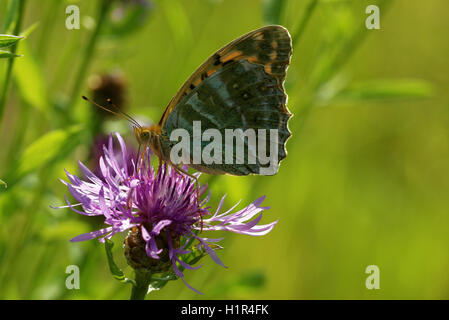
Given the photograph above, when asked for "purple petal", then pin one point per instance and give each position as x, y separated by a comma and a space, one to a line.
89, 174
160, 225
211, 252
91, 235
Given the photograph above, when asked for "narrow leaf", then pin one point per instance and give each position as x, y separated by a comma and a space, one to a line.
116, 272
386, 89
12, 10
53, 145
7, 54
3, 183
30, 29
178, 22
158, 283
30, 81
7, 40
272, 11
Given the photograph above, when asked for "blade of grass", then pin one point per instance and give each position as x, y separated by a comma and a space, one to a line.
116, 272
12, 9
7, 55
385, 90
50, 147
89, 52
48, 27
310, 9
6, 81
7, 40
29, 79
348, 49
179, 23
272, 11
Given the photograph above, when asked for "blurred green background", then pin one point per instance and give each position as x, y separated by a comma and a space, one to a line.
365, 182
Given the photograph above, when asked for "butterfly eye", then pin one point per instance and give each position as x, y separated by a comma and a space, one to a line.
145, 135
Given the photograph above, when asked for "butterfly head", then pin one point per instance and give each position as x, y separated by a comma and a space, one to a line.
143, 135
148, 136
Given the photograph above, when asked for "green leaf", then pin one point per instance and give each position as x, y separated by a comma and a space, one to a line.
193, 257
7, 40
272, 11
30, 29
303, 23
12, 10
50, 147
386, 89
30, 81
7, 54
3, 183
178, 22
116, 272
158, 283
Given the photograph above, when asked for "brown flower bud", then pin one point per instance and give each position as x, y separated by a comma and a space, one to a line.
108, 86
136, 254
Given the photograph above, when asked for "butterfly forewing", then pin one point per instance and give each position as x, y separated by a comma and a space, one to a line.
239, 87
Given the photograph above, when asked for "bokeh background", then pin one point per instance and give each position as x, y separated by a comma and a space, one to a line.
365, 182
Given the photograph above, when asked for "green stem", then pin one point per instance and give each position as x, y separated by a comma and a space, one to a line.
140, 289
17, 140
310, 9
7, 79
333, 67
48, 28
88, 53
304, 22
348, 49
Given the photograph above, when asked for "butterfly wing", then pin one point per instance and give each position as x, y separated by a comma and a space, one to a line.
241, 86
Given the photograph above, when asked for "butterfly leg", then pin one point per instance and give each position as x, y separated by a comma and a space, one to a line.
197, 183
140, 158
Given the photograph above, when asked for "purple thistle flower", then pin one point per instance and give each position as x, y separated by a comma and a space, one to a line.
97, 152
162, 206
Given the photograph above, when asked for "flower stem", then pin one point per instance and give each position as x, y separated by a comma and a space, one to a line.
7, 79
88, 53
140, 289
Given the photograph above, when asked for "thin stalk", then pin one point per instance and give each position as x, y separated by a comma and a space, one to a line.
348, 50
304, 21
139, 291
334, 66
7, 79
24, 230
88, 53
309, 11
48, 28
17, 140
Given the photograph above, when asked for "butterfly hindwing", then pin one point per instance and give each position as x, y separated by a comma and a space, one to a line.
239, 87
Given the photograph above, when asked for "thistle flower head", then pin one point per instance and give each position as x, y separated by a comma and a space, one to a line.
165, 210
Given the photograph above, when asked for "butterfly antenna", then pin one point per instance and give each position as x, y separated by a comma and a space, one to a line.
127, 116
117, 112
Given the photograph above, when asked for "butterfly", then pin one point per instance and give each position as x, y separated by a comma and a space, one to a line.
241, 86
